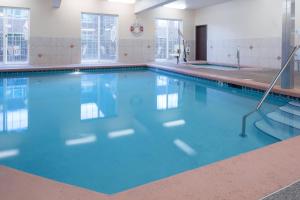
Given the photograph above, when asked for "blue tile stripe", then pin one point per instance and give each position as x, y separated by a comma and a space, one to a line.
249, 90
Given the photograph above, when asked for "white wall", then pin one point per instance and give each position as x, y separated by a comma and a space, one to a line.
245, 23
53, 31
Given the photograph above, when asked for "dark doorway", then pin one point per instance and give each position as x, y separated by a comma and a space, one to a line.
201, 42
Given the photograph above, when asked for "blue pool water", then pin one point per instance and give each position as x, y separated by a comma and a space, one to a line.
110, 131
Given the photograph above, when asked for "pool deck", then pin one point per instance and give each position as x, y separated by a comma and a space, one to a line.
252, 175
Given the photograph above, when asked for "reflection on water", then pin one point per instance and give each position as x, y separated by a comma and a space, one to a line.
168, 91
175, 123
82, 140
98, 96
9, 153
94, 130
13, 104
120, 133
187, 149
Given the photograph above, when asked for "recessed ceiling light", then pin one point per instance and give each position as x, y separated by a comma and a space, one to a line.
123, 1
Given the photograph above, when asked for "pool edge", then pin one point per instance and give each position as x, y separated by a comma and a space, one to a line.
294, 93
234, 178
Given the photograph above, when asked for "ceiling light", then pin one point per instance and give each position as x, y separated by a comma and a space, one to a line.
123, 1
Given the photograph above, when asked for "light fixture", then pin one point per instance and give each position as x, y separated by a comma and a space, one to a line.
123, 1
176, 5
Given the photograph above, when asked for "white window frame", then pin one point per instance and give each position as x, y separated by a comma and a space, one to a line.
168, 57
99, 60
5, 41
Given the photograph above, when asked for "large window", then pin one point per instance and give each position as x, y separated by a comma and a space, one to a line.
14, 35
98, 37
167, 38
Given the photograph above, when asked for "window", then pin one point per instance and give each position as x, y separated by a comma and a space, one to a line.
14, 35
167, 38
98, 37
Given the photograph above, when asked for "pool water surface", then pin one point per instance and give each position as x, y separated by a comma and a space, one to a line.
110, 131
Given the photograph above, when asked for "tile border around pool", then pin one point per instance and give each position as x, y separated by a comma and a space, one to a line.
245, 84
248, 85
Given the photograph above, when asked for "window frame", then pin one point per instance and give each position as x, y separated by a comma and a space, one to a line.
5, 41
99, 60
167, 45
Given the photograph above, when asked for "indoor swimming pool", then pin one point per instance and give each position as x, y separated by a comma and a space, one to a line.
113, 130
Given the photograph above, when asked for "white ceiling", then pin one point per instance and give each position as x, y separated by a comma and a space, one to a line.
195, 4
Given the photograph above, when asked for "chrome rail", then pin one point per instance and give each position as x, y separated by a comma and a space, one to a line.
238, 57
266, 94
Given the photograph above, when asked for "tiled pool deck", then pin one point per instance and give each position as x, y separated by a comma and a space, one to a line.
249, 176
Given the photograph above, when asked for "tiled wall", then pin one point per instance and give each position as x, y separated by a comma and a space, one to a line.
259, 52
63, 51
54, 51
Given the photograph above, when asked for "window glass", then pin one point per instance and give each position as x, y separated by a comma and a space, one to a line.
98, 37
167, 38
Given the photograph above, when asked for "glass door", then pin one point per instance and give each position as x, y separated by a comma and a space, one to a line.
14, 35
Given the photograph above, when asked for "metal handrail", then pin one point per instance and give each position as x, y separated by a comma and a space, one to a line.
266, 94
238, 57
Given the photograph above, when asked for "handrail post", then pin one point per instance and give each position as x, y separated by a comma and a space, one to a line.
238, 56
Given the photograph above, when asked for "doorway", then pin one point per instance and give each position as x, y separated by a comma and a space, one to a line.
201, 42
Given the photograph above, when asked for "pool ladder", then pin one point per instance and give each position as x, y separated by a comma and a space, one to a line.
266, 94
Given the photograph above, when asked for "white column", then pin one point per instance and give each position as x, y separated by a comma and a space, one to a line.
288, 42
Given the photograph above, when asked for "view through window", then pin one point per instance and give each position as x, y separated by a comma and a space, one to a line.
167, 38
14, 35
98, 37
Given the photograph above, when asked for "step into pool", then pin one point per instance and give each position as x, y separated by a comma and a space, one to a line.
113, 130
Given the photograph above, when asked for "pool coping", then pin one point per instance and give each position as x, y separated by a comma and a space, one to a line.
235, 178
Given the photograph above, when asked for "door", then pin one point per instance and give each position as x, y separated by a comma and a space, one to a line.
201, 42
14, 35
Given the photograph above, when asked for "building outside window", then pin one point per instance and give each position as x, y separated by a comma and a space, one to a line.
98, 37
167, 38
14, 35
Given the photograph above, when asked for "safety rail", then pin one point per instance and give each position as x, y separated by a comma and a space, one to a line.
268, 91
